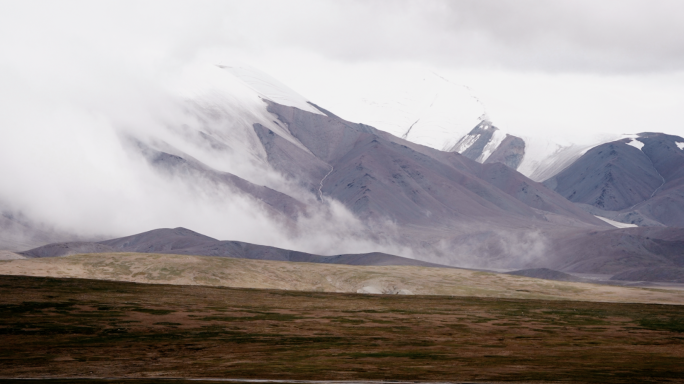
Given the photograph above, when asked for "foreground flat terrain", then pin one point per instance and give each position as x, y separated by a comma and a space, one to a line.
92, 328
245, 273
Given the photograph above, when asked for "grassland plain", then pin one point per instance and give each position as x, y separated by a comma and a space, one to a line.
55, 327
244, 273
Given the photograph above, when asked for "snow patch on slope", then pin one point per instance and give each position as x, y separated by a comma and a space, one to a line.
636, 144
680, 146
492, 145
616, 224
466, 142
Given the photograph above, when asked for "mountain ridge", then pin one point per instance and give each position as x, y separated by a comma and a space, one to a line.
638, 180
182, 241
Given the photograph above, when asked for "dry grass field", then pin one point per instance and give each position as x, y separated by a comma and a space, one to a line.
93, 328
243, 273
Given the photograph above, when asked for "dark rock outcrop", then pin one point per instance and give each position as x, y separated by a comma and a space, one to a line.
510, 152
479, 144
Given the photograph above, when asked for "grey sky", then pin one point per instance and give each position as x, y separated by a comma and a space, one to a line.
607, 36
573, 65
577, 36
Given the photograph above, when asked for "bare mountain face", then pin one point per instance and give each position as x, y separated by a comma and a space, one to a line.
612, 176
635, 180
667, 203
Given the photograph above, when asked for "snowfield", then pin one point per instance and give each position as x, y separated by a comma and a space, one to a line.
616, 224
636, 144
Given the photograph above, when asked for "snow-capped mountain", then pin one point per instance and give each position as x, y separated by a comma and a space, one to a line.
428, 109
424, 108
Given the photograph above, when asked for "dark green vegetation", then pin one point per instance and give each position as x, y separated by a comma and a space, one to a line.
88, 328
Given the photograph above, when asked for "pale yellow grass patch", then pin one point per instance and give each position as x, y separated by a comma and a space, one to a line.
244, 273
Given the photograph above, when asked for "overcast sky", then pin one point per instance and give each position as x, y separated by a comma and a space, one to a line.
553, 66
75, 73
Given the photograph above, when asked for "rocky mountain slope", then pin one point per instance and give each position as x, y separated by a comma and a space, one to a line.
612, 177
378, 176
637, 180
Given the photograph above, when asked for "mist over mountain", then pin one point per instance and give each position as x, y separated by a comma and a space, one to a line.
247, 159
